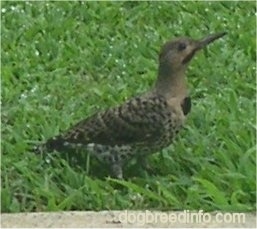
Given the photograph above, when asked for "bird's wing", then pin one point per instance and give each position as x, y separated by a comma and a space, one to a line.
140, 120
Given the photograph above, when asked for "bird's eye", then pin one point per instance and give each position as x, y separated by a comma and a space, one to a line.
181, 46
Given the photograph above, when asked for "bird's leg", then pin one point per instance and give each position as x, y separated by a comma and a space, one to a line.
117, 170
142, 160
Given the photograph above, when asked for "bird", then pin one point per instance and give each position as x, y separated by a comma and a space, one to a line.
144, 124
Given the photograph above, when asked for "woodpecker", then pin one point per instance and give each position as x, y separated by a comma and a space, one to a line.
144, 124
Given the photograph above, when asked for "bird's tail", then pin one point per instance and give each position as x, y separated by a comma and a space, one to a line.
55, 143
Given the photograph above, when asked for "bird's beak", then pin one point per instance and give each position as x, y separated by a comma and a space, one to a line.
207, 40
197, 45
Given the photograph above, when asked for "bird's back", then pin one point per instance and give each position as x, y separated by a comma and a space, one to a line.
146, 122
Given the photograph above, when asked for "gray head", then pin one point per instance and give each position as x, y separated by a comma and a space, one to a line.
177, 53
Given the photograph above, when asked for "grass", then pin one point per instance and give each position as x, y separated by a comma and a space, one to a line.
62, 61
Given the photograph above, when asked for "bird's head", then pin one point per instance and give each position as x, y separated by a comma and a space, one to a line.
176, 54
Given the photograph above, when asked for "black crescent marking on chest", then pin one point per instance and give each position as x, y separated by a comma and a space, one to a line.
186, 105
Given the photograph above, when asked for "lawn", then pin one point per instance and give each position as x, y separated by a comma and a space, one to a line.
63, 61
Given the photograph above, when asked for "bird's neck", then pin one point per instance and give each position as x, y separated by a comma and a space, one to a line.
171, 84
